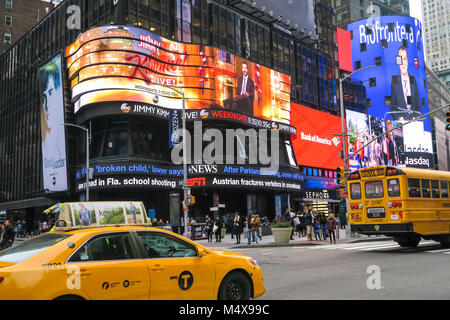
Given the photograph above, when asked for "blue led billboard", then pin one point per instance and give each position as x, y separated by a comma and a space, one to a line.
396, 88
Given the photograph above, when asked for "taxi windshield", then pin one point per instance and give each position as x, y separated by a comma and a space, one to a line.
31, 247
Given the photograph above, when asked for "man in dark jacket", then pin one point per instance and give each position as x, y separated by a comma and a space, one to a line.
8, 236
309, 224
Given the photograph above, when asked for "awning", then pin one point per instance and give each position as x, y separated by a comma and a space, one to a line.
318, 199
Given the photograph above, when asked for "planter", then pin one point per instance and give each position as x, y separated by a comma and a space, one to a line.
282, 235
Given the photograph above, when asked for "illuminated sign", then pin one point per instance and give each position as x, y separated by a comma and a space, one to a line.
372, 173
316, 136
128, 64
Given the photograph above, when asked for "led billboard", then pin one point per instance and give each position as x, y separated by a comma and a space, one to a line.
121, 63
316, 143
396, 87
52, 129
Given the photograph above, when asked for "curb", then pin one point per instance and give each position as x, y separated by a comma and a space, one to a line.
371, 239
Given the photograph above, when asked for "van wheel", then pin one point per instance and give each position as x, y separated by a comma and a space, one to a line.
411, 242
235, 286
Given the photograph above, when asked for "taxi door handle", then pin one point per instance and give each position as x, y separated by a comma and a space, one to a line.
157, 268
85, 273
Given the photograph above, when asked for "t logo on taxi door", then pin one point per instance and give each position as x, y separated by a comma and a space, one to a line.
185, 280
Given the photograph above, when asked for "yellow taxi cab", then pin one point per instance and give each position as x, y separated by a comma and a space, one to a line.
122, 261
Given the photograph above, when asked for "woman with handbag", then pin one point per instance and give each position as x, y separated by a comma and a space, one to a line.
237, 227
331, 227
218, 229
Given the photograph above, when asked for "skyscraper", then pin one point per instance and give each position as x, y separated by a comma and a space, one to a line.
436, 19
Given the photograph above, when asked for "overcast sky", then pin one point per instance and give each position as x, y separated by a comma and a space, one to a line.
415, 11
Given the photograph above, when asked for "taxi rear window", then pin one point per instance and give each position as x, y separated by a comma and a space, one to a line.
29, 248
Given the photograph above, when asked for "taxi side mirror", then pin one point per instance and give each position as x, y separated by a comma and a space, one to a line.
202, 252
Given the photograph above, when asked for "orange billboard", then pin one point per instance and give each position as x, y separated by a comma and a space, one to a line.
316, 143
122, 63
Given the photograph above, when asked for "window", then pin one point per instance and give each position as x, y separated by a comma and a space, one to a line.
393, 188
8, 20
372, 82
435, 189
111, 246
158, 245
357, 65
147, 144
425, 188
9, 4
414, 188
363, 47
7, 38
27, 249
374, 189
384, 43
355, 191
444, 189
116, 143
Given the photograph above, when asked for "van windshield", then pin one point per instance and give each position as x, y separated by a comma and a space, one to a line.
31, 247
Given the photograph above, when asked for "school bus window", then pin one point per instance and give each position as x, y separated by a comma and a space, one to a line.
435, 189
414, 188
374, 189
425, 188
355, 190
444, 189
393, 188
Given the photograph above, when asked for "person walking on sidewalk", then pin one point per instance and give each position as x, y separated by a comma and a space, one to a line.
247, 229
331, 227
254, 223
317, 230
218, 229
323, 225
309, 225
209, 228
7, 236
237, 227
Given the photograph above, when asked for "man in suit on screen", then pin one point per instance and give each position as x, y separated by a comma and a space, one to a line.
404, 93
245, 92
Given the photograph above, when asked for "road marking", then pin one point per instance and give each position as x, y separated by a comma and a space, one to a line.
370, 246
299, 250
439, 251
266, 253
349, 245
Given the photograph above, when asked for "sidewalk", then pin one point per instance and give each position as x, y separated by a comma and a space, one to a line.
269, 241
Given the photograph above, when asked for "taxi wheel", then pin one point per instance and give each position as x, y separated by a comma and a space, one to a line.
235, 286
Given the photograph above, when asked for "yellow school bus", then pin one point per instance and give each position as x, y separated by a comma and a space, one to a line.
405, 203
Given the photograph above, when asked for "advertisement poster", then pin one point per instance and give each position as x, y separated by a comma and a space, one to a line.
442, 145
98, 213
53, 136
316, 135
122, 63
396, 88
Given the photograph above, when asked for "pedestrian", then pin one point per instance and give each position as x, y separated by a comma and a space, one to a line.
297, 223
317, 230
343, 217
161, 222
2, 229
133, 211
247, 229
7, 236
323, 225
331, 227
237, 227
154, 222
209, 228
309, 225
254, 223
302, 225
218, 229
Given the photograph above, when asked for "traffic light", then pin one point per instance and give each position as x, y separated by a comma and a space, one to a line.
340, 176
447, 127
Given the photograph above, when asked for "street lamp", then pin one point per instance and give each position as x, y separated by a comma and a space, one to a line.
87, 155
344, 136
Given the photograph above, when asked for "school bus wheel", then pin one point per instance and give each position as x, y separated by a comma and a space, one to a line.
407, 241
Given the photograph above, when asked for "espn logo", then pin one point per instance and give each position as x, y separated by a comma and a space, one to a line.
195, 182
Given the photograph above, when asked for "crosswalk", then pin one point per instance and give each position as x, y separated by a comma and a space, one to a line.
375, 246
382, 246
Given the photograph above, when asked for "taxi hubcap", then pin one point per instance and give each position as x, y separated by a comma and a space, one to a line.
234, 291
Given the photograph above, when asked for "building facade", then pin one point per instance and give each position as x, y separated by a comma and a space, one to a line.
18, 17
348, 11
436, 20
129, 147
